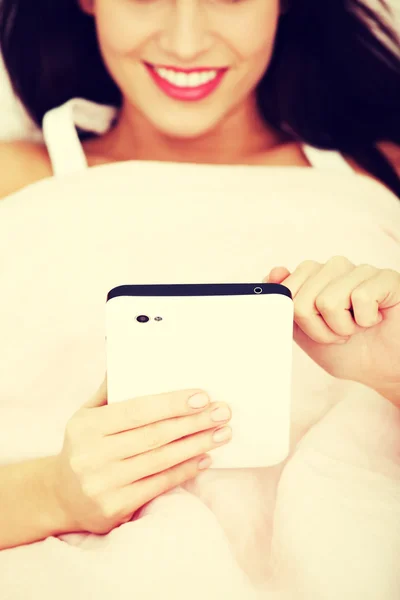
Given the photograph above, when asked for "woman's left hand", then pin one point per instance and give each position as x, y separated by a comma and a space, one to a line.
347, 319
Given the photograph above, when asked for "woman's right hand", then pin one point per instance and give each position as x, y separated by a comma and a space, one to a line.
116, 458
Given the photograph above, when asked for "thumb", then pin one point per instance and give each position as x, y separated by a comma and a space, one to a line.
99, 398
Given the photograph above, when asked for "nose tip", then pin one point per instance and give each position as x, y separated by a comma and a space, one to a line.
186, 36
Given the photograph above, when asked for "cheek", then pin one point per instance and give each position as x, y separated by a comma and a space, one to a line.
119, 33
263, 25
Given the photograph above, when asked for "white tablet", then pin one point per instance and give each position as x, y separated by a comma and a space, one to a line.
234, 340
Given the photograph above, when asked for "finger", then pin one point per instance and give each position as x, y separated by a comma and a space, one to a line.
137, 441
306, 313
334, 302
277, 275
302, 273
141, 492
379, 292
143, 410
161, 459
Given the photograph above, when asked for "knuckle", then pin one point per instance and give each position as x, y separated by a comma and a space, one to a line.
152, 438
303, 312
360, 296
338, 259
109, 512
87, 488
93, 488
327, 304
365, 267
308, 264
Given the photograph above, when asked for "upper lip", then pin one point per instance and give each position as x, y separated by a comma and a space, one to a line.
182, 70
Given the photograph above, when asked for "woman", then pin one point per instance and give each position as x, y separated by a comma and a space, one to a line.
211, 82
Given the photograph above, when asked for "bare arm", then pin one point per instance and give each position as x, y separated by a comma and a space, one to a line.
21, 164
29, 510
392, 153
114, 460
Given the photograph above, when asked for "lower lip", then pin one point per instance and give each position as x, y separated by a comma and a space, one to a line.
188, 94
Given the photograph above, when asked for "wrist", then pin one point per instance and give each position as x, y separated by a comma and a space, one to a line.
29, 508
55, 519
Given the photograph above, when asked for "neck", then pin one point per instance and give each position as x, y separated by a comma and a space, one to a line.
240, 135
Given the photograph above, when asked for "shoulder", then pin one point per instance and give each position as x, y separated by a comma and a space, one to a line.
392, 153
22, 163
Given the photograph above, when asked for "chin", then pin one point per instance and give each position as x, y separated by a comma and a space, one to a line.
186, 130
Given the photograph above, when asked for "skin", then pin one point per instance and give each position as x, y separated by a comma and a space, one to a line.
334, 302
212, 33
226, 126
344, 312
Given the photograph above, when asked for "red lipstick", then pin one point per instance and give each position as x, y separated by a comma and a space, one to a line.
185, 92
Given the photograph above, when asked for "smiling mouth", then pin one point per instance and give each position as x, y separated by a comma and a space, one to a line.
187, 78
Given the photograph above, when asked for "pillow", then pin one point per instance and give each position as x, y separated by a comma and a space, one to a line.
16, 124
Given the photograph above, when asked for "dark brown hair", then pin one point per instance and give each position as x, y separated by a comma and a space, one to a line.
334, 80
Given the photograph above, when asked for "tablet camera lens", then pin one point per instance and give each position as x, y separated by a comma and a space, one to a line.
142, 319
257, 290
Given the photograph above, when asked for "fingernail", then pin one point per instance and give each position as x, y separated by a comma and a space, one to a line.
198, 401
221, 435
205, 463
220, 414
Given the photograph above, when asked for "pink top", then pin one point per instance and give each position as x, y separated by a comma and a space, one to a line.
66, 240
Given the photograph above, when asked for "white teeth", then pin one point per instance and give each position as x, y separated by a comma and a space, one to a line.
186, 79
194, 79
181, 79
